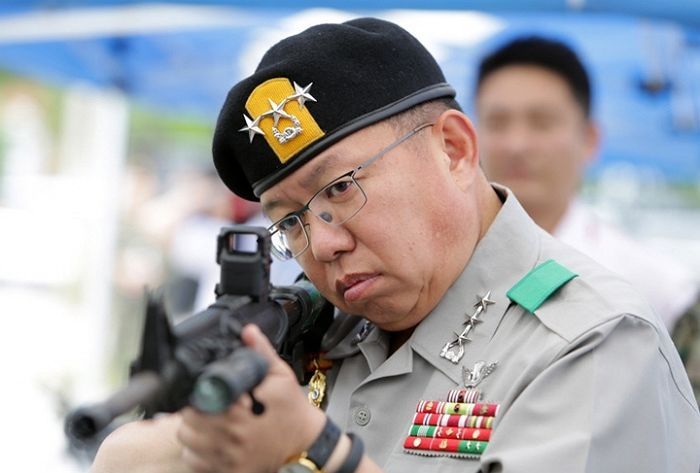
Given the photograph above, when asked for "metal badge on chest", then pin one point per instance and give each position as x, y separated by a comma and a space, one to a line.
454, 350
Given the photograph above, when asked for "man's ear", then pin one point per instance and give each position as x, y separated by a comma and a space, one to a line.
592, 138
459, 145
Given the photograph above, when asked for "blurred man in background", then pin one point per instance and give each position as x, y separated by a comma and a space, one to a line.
537, 135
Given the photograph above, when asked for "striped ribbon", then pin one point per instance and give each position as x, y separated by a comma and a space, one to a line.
446, 420
466, 408
445, 445
450, 432
463, 395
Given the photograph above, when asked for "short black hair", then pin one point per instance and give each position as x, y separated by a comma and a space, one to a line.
547, 53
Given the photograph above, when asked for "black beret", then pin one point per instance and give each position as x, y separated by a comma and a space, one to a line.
313, 89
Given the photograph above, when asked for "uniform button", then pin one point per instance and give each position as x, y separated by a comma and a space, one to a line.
361, 415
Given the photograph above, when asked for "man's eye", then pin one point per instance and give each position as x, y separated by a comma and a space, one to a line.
542, 122
495, 123
287, 224
339, 188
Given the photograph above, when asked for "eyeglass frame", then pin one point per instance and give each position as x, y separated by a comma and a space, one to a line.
351, 174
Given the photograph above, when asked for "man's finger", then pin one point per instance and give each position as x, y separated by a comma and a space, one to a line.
254, 338
196, 463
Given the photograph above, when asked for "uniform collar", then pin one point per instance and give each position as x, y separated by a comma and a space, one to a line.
508, 250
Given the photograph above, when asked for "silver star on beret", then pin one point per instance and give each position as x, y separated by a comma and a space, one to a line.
301, 94
252, 127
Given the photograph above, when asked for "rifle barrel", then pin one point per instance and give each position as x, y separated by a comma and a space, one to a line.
85, 422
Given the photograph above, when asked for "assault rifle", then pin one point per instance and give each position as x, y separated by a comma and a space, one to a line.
202, 360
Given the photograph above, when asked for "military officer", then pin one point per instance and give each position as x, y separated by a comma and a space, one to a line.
476, 342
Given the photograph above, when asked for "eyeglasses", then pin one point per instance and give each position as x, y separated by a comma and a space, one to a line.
335, 203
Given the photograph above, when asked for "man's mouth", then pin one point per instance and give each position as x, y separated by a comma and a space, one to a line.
353, 286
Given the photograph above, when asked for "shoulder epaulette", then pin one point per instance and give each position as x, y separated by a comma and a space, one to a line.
539, 284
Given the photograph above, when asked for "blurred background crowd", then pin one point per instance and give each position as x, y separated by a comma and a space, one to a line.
107, 187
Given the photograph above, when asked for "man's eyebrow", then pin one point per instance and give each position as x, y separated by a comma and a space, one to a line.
309, 181
319, 169
270, 206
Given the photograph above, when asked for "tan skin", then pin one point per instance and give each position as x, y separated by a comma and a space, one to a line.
396, 291
142, 447
535, 138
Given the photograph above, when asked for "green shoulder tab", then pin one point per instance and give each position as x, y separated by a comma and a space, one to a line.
540, 283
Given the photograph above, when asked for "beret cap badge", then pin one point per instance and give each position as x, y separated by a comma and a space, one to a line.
280, 116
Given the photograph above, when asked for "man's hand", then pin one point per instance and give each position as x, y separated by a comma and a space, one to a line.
242, 442
148, 446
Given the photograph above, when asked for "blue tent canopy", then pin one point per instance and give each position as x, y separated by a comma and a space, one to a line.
183, 57
686, 12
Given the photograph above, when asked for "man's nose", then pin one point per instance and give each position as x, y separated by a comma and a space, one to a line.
328, 241
516, 139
